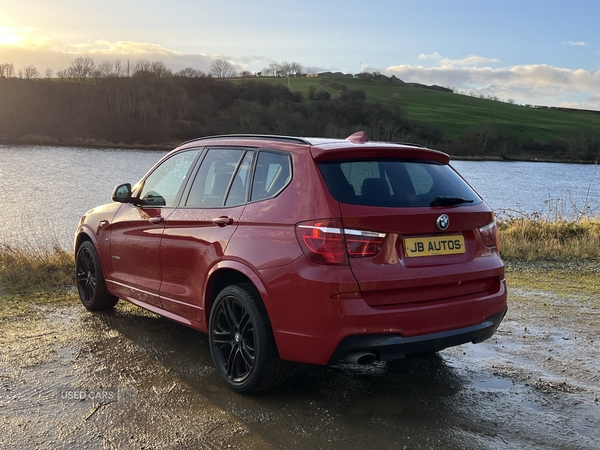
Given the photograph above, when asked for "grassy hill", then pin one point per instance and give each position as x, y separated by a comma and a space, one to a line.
455, 113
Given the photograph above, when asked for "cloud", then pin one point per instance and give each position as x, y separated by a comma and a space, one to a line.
57, 55
471, 60
435, 56
533, 83
577, 44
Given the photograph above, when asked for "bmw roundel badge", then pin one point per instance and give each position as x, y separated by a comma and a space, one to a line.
442, 222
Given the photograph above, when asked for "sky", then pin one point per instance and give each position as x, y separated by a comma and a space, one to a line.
539, 52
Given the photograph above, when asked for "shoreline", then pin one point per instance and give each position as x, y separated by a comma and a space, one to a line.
43, 141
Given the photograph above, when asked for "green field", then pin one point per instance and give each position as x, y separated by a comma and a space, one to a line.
455, 113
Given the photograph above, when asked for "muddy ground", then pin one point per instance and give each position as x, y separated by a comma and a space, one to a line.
129, 379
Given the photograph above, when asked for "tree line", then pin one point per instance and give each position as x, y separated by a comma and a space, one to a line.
146, 103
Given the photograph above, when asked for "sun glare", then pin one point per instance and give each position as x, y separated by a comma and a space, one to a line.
8, 38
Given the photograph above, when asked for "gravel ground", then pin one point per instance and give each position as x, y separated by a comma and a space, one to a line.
127, 378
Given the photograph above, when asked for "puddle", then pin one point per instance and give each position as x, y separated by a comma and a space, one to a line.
495, 383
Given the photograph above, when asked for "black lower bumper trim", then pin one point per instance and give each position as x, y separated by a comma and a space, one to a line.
394, 346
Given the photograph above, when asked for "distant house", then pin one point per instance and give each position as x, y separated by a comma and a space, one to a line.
332, 74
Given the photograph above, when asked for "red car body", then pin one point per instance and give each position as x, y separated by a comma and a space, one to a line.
335, 277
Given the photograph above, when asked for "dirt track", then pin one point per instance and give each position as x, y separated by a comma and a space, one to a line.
536, 383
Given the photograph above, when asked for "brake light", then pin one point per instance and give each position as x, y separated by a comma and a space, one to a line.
327, 242
489, 235
363, 243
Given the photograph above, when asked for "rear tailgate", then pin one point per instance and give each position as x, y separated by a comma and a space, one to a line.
431, 218
420, 263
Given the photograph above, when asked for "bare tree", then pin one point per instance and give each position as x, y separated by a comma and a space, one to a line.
291, 69
30, 73
222, 69
142, 66
160, 70
190, 72
121, 70
482, 133
7, 70
82, 68
104, 70
284, 69
271, 70
49, 73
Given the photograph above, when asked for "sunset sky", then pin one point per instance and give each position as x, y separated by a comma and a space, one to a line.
533, 52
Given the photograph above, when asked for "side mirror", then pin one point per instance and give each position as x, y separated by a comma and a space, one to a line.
122, 193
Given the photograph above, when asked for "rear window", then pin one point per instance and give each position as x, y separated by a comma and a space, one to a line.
394, 183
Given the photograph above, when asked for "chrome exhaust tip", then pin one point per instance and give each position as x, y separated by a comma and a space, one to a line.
361, 358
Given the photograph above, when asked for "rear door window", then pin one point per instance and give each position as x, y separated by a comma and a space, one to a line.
221, 180
396, 183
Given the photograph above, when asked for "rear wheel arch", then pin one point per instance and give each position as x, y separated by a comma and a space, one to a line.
227, 273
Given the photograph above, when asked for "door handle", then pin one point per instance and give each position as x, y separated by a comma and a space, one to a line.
156, 220
223, 221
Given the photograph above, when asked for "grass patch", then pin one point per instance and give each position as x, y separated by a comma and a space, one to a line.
533, 239
34, 270
455, 113
574, 279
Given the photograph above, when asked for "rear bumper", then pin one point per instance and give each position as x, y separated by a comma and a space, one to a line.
313, 324
393, 346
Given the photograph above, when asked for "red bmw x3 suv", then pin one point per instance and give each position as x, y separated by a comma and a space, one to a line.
288, 249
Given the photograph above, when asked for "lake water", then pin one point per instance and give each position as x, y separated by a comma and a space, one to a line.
44, 190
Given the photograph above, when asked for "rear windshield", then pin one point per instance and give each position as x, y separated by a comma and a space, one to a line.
396, 183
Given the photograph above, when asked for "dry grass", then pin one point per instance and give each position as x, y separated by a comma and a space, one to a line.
40, 268
26, 270
533, 239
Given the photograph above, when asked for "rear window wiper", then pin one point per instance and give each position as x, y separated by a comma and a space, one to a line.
449, 201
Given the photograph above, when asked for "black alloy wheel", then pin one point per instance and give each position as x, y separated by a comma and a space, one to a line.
90, 280
241, 341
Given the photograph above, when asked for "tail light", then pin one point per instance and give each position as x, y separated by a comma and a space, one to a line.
327, 242
363, 243
489, 235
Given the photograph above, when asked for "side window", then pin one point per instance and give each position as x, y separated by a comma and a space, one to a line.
214, 179
272, 174
163, 185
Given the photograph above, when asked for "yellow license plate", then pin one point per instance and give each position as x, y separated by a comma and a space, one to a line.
437, 245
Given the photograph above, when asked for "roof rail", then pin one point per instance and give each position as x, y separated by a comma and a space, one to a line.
290, 139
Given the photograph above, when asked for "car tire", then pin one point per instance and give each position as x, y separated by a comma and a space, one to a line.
90, 280
241, 341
